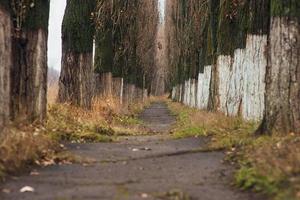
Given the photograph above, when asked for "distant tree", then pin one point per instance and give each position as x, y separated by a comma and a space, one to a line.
75, 85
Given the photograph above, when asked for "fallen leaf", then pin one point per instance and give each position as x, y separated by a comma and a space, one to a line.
27, 189
144, 195
6, 191
34, 173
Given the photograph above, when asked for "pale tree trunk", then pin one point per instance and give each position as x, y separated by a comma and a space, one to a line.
37, 68
282, 112
5, 65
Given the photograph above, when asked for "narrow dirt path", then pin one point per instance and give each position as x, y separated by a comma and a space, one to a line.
135, 168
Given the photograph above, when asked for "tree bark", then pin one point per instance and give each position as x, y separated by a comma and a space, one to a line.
282, 113
5, 64
75, 85
29, 71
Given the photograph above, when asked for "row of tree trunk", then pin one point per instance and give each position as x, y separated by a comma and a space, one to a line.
23, 60
123, 32
252, 51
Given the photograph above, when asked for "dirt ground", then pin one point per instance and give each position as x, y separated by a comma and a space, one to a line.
135, 168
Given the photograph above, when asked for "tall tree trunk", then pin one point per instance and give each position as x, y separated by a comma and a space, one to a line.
29, 71
282, 112
5, 63
76, 79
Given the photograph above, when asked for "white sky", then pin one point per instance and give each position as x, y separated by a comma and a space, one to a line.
162, 8
57, 8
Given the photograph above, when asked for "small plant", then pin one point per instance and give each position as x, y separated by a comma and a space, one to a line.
249, 178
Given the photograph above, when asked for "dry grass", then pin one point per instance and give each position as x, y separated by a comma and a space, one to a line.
52, 93
22, 145
25, 146
268, 164
107, 120
223, 130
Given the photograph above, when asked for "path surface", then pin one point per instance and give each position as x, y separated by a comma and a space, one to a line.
135, 168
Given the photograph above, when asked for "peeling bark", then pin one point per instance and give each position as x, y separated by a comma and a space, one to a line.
254, 77
203, 88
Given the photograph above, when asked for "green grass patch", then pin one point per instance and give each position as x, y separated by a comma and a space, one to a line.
65, 125
249, 178
191, 131
127, 120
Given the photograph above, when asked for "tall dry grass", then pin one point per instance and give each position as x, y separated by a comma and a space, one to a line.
24, 146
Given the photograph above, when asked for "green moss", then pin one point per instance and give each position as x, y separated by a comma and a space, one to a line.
127, 120
290, 8
104, 52
78, 28
232, 26
214, 6
38, 15
259, 17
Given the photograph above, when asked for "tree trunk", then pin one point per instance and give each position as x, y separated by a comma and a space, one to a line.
5, 64
76, 79
29, 71
282, 112
117, 87
107, 84
75, 85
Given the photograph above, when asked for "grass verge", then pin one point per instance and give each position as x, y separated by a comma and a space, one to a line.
23, 145
103, 123
266, 164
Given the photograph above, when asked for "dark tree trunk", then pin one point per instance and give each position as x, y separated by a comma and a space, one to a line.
5, 64
29, 71
76, 79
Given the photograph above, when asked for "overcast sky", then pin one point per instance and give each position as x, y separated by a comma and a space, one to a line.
57, 8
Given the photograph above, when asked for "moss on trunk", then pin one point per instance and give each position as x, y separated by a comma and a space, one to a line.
38, 15
289, 8
78, 28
